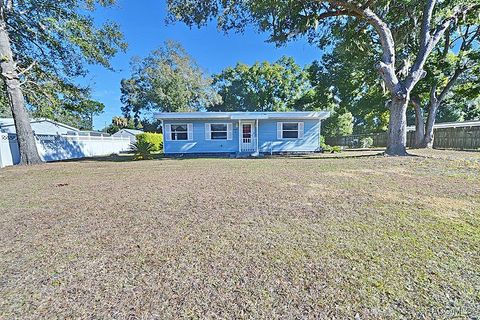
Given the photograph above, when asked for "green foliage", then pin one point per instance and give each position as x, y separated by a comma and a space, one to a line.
366, 142
338, 124
142, 150
328, 148
151, 125
155, 139
119, 123
52, 43
168, 80
262, 86
345, 80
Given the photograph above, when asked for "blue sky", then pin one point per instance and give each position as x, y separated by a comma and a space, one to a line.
144, 27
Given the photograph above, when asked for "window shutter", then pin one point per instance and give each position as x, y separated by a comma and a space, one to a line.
301, 130
208, 136
190, 131
279, 130
229, 131
167, 135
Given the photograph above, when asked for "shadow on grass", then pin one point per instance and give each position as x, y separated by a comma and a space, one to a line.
350, 154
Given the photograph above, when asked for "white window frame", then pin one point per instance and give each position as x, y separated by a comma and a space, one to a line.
300, 130
208, 131
168, 131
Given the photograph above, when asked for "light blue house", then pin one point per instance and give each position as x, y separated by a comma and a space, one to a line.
241, 133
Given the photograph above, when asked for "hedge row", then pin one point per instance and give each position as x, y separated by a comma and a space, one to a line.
154, 138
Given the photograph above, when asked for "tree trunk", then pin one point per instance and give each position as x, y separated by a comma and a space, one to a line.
397, 128
25, 137
428, 136
419, 123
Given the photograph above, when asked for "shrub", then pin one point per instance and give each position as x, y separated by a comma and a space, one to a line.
156, 139
366, 142
327, 148
142, 150
335, 149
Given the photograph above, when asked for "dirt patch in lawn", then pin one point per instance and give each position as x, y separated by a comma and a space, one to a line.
239, 238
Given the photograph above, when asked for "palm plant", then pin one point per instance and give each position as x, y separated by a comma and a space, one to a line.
142, 150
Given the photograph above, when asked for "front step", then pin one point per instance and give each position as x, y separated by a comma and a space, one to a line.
247, 154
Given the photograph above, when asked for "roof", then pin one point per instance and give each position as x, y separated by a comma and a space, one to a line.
474, 123
6, 122
242, 115
131, 131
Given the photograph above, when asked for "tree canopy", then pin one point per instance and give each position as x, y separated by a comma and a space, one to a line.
390, 25
262, 86
45, 46
167, 80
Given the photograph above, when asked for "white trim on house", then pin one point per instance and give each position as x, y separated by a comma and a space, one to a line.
168, 131
295, 115
8, 122
474, 123
300, 130
248, 144
229, 130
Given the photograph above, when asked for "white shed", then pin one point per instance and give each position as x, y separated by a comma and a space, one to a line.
39, 126
128, 133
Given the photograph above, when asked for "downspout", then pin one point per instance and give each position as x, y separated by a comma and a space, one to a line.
163, 135
240, 136
319, 134
256, 134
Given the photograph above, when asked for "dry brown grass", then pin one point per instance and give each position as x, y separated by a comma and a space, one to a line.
226, 238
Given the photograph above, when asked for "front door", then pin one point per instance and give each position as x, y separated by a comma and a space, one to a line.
247, 137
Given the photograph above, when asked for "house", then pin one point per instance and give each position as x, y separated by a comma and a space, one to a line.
459, 124
40, 126
128, 133
241, 133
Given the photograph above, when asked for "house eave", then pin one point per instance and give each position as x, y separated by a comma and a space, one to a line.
295, 115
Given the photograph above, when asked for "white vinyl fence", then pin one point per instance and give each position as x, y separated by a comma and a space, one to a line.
56, 147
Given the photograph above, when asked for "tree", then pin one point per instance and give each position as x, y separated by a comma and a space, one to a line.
119, 123
456, 62
348, 70
263, 86
344, 84
290, 19
43, 43
168, 80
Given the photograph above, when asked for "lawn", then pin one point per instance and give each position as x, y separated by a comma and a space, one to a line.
367, 238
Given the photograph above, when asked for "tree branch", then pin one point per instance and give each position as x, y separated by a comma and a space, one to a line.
27, 68
426, 23
458, 72
417, 71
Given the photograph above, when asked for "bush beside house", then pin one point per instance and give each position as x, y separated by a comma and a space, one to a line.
156, 139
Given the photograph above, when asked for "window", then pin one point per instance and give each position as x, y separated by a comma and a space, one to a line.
290, 130
179, 132
247, 130
218, 131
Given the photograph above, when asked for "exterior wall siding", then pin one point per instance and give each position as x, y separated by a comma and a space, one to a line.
267, 143
199, 144
42, 127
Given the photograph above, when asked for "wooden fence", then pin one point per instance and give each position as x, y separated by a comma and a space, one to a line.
460, 138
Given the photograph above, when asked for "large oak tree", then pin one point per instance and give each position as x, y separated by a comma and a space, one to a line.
167, 80
44, 46
286, 20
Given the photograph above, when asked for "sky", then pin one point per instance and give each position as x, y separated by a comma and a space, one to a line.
143, 25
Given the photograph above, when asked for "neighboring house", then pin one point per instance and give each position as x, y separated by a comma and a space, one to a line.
443, 125
249, 133
39, 126
128, 133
